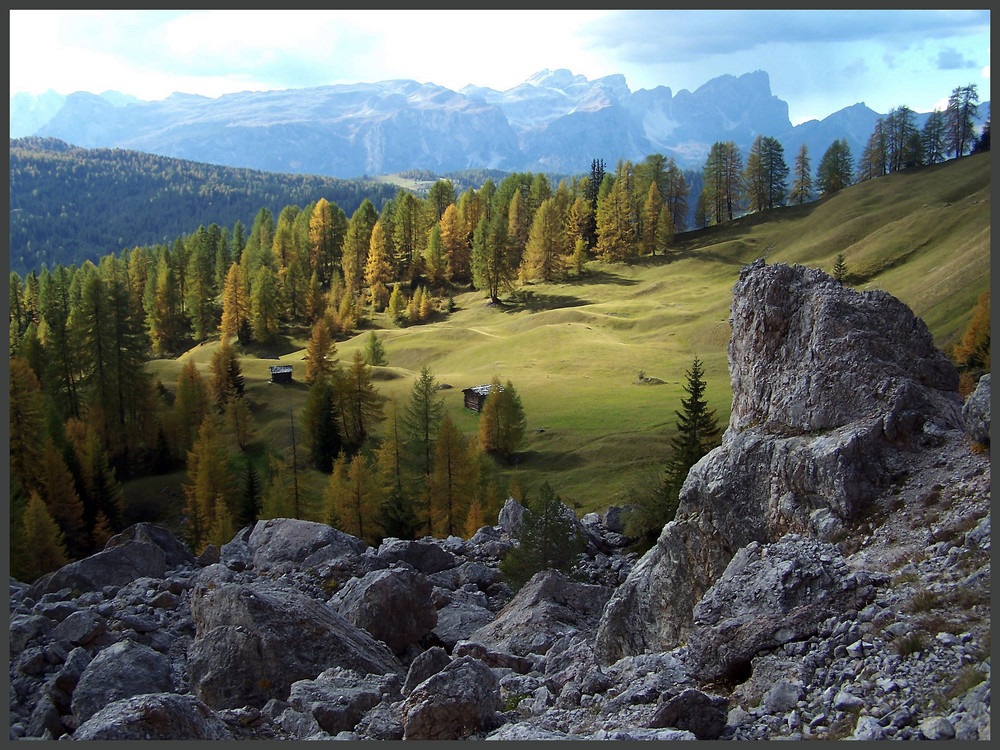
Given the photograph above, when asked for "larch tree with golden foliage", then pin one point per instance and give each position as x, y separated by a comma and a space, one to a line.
452, 483
354, 498
545, 253
208, 479
38, 547
321, 353
502, 421
235, 304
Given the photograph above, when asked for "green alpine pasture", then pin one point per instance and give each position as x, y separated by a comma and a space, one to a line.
575, 350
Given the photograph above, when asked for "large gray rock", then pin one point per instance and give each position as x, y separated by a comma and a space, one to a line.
154, 716
338, 698
458, 620
425, 556
430, 662
460, 700
699, 713
252, 642
549, 606
176, 554
301, 544
393, 605
832, 391
120, 671
977, 412
114, 566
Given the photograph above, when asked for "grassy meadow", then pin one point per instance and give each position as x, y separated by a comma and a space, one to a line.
574, 350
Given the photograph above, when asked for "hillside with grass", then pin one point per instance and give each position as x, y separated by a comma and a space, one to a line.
576, 350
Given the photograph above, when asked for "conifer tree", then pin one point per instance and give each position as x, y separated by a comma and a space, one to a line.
321, 353
356, 245
58, 490
363, 405
355, 499
235, 305
421, 420
547, 539
223, 526
502, 421
973, 351
434, 258
209, 479
377, 267
493, 268
397, 304
455, 246
545, 253
264, 306
26, 422
226, 380
190, 403
836, 169
697, 425
452, 481
839, 269
652, 214
375, 351
802, 179
40, 543
322, 434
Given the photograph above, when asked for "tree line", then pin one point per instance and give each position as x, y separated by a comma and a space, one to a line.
732, 187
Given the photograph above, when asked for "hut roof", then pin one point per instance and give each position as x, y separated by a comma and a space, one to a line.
275, 369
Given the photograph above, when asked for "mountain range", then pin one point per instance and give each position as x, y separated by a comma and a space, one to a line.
554, 122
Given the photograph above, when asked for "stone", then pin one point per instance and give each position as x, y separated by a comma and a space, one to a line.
936, 728
833, 390
782, 697
253, 641
25, 628
692, 710
393, 605
303, 544
868, 729
154, 717
425, 556
548, 606
457, 702
458, 620
976, 412
428, 663
338, 699
114, 566
510, 516
176, 554
122, 670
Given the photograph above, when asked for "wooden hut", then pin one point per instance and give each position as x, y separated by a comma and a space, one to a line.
281, 373
475, 396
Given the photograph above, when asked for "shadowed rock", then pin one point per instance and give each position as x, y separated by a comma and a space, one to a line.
120, 671
460, 700
548, 606
393, 605
154, 717
176, 554
115, 566
302, 544
253, 642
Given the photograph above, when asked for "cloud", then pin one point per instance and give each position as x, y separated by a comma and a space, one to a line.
950, 58
677, 35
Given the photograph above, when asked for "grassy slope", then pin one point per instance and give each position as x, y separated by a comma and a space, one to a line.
573, 350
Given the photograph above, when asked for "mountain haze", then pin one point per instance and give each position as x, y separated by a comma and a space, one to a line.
554, 122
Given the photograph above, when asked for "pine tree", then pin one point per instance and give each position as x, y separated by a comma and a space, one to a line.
547, 539
961, 113
363, 405
421, 420
802, 181
840, 269
58, 490
321, 353
397, 304
264, 306
545, 253
375, 351
322, 435
235, 305
697, 425
502, 421
452, 481
354, 498
190, 403
226, 381
836, 170
40, 543
209, 478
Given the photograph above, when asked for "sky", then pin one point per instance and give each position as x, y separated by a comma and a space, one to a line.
818, 61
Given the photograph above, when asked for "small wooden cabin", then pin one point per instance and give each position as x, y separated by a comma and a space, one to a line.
281, 373
475, 396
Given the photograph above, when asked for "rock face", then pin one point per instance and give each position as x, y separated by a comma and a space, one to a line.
832, 390
977, 412
253, 642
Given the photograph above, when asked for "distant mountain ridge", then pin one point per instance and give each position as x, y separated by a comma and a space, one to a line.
554, 122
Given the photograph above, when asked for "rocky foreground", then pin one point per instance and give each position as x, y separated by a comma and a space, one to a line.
827, 576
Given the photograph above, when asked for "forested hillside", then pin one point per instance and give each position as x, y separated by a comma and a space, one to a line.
70, 204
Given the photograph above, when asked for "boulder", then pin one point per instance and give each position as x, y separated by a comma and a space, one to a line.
253, 641
458, 620
547, 607
424, 556
114, 566
338, 698
155, 716
833, 390
122, 670
976, 412
394, 605
176, 554
302, 544
460, 700
428, 663
510, 515
699, 713
80, 628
